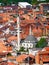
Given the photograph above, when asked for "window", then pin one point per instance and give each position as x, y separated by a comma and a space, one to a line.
29, 41
30, 45
27, 44
24, 44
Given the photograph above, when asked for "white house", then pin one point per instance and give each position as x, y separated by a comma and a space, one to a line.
34, 51
24, 4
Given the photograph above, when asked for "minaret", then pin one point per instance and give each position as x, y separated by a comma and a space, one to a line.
30, 31
18, 32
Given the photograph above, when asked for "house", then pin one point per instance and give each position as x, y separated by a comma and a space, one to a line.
44, 7
1, 33
2, 47
24, 4
3, 53
47, 29
9, 48
37, 31
33, 51
11, 63
23, 59
46, 48
13, 41
42, 56
12, 60
12, 38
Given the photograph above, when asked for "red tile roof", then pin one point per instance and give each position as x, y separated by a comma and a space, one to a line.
47, 27
46, 48
22, 57
11, 38
2, 47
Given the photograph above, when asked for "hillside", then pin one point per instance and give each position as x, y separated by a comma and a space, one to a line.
30, 1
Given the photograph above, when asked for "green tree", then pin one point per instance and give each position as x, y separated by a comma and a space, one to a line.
6, 2
41, 43
22, 49
33, 1
9, 54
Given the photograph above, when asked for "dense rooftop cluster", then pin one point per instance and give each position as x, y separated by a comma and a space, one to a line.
34, 24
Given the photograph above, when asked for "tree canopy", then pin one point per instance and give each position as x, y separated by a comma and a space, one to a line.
16, 1
22, 49
41, 43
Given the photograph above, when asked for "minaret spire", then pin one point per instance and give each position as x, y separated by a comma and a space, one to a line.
30, 30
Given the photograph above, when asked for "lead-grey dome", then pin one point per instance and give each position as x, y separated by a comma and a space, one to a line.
31, 38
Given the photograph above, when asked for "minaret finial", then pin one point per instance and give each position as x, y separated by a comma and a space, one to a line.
30, 30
